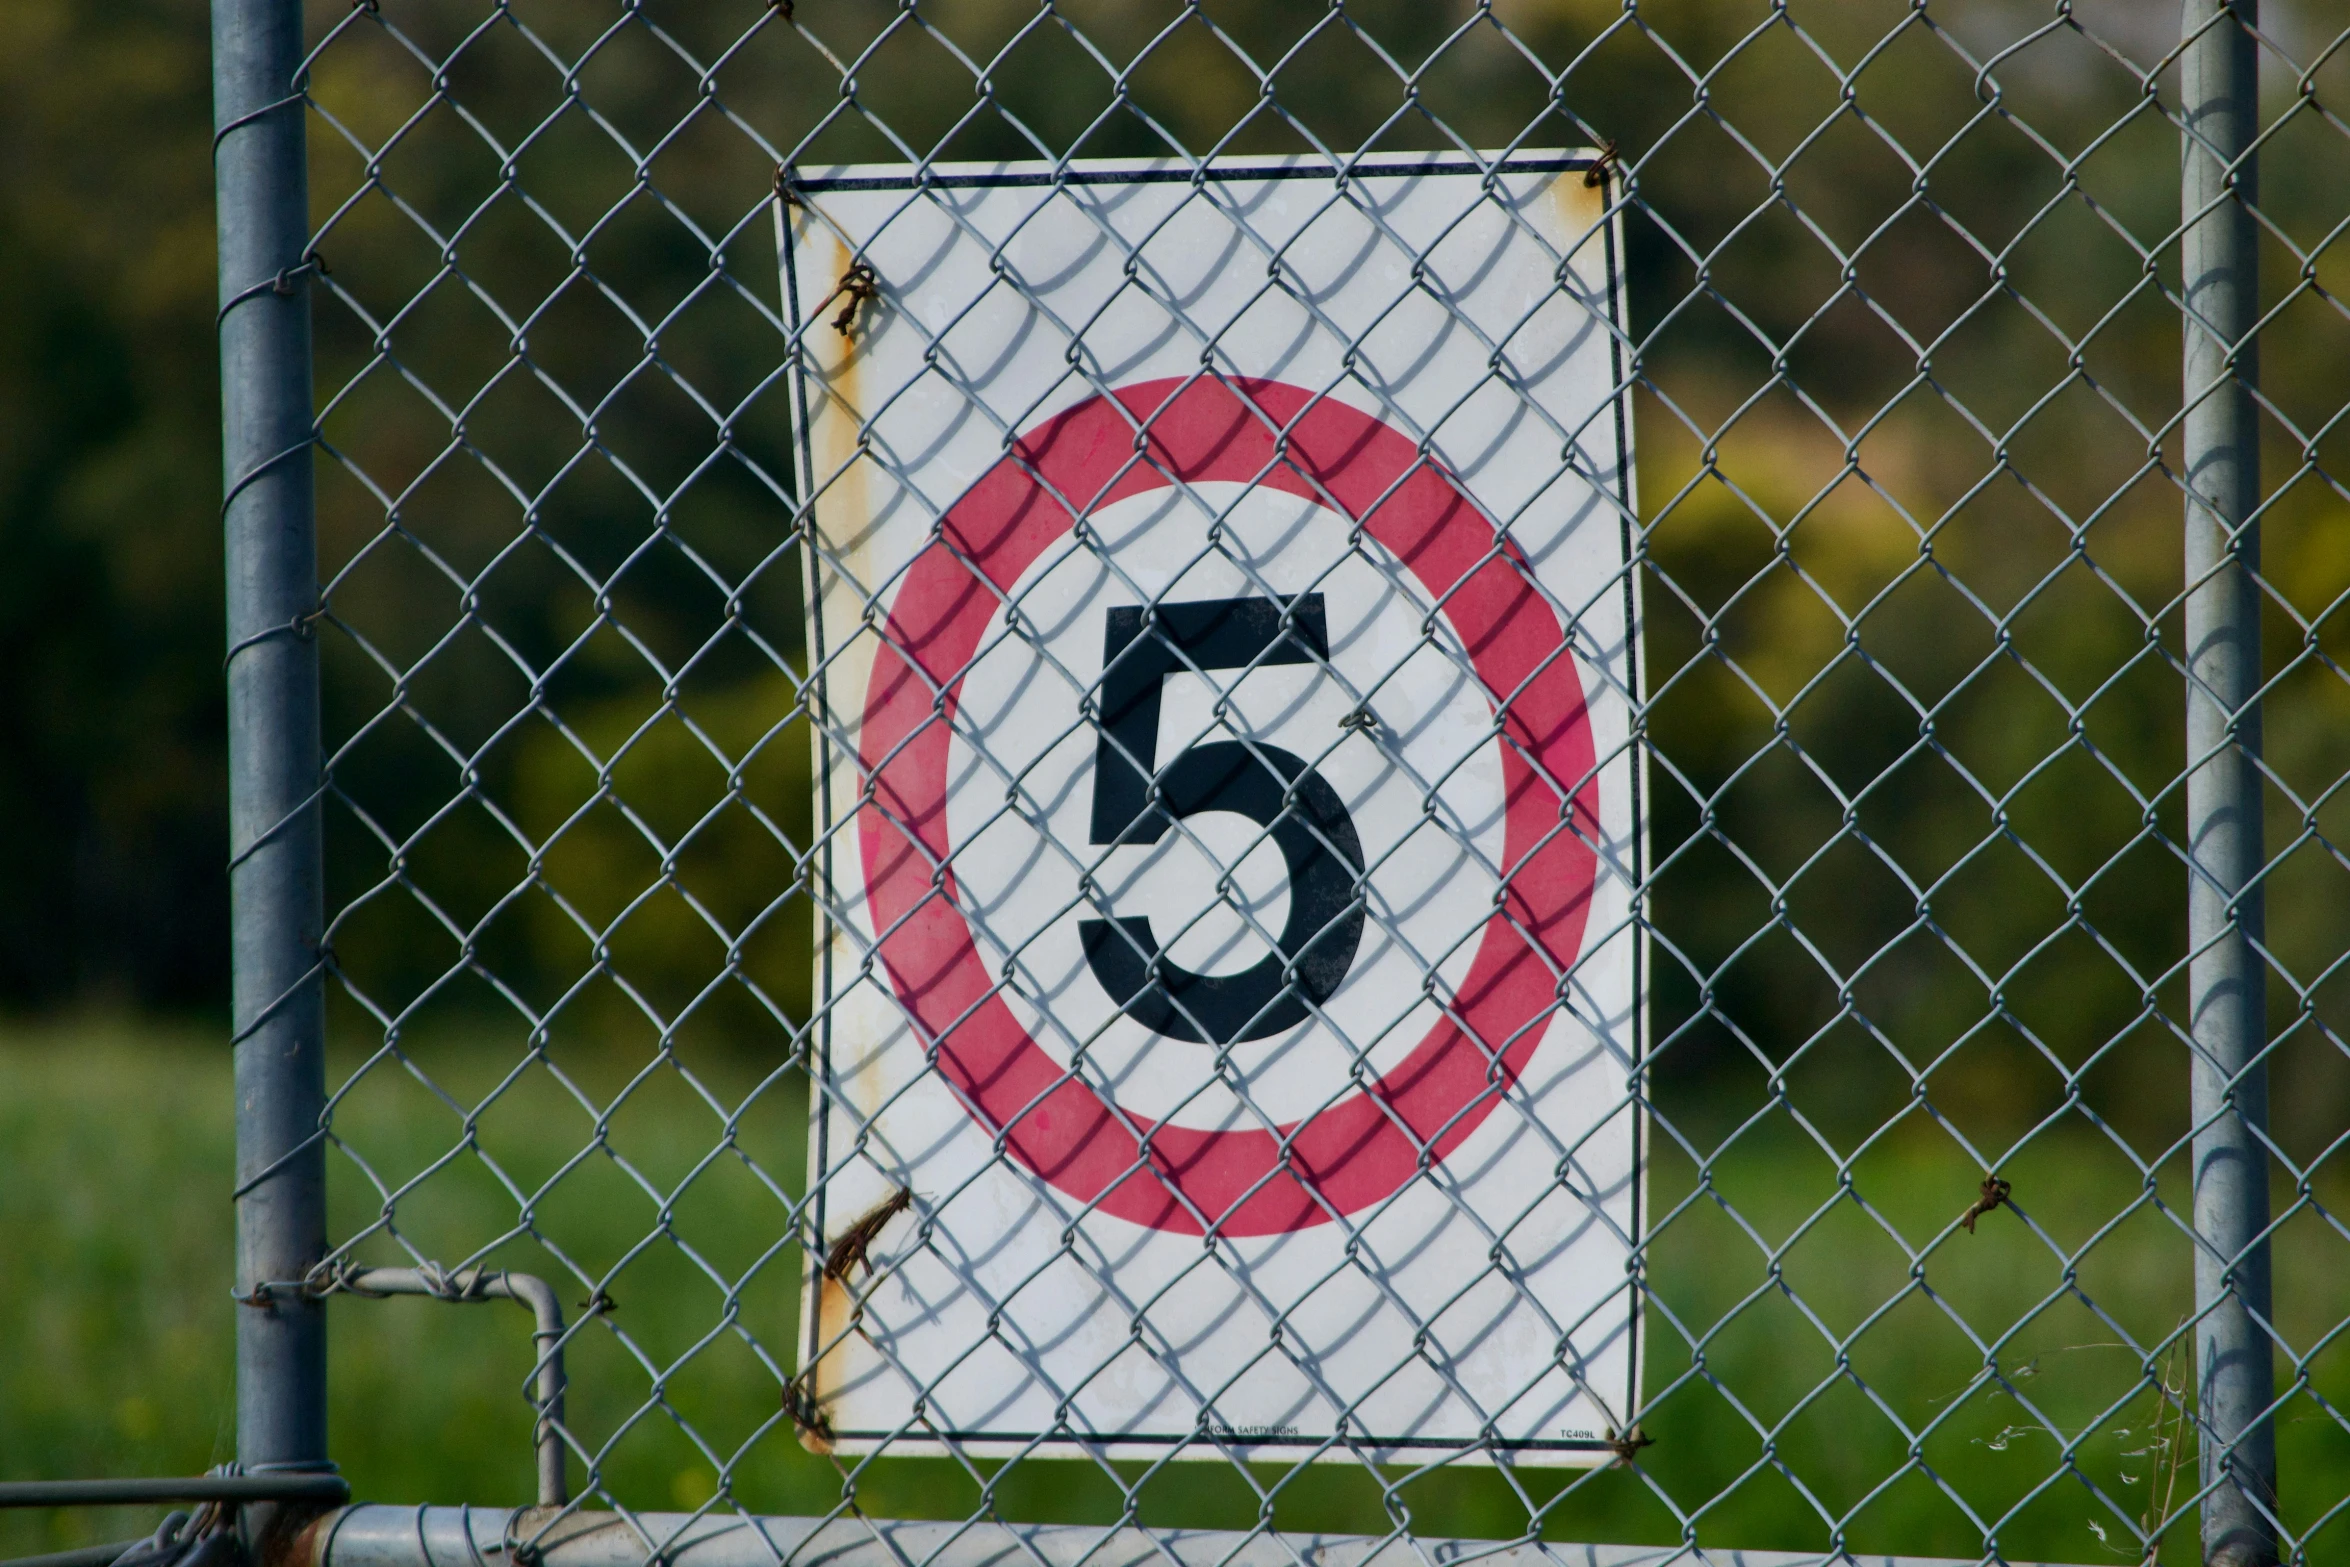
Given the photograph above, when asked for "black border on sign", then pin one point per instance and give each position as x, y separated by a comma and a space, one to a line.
1237, 169
788, 188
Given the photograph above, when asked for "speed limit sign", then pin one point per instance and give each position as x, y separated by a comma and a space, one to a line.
1229, 1020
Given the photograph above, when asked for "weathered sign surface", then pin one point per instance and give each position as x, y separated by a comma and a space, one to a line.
1223, 640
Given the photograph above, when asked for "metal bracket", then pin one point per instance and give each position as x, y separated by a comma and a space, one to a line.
474, 1284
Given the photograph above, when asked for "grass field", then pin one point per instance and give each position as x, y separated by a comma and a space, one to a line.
115, 1327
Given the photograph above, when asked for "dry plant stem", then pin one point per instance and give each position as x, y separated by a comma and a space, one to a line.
2169, 1441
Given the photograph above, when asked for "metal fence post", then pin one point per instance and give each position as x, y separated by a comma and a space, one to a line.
274, 878
2226, 978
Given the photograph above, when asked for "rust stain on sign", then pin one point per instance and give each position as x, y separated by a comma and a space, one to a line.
805, 1398
868, 1083
841, 473
841, 515
836, 1313
1582, 208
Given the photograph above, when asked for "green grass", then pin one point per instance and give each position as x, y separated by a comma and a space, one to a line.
115, 1325
115, 1322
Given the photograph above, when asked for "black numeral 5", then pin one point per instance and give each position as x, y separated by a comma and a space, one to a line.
1269, 786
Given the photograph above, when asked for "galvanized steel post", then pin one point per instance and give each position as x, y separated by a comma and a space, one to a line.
274, 876
2235, 1378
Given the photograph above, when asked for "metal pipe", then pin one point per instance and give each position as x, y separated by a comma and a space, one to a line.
546, 1311
84, 1556
468, 1536
277, 1002
328, 1488
2227, 985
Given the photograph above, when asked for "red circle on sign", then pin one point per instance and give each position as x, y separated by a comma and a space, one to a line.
1369, 1143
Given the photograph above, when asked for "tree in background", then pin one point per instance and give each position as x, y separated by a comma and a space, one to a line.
112, 796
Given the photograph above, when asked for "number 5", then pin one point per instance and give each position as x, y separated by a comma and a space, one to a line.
1140, 648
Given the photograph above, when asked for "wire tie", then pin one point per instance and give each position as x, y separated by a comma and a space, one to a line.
800, 1405
861, 285
1627, 1446
1994, 1195
288, 279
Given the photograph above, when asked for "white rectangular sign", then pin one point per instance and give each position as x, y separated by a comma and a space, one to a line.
1225, 644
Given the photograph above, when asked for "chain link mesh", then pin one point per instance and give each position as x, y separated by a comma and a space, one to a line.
1904, 359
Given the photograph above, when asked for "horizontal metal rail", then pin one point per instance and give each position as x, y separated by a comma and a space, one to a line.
310, 1487
379, 1536
79, 1556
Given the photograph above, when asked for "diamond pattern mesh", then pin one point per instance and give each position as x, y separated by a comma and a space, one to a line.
1904, 360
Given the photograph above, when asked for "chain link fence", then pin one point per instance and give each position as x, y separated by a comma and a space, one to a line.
1993, 728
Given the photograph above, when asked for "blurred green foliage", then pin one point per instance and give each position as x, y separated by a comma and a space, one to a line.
111, 781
